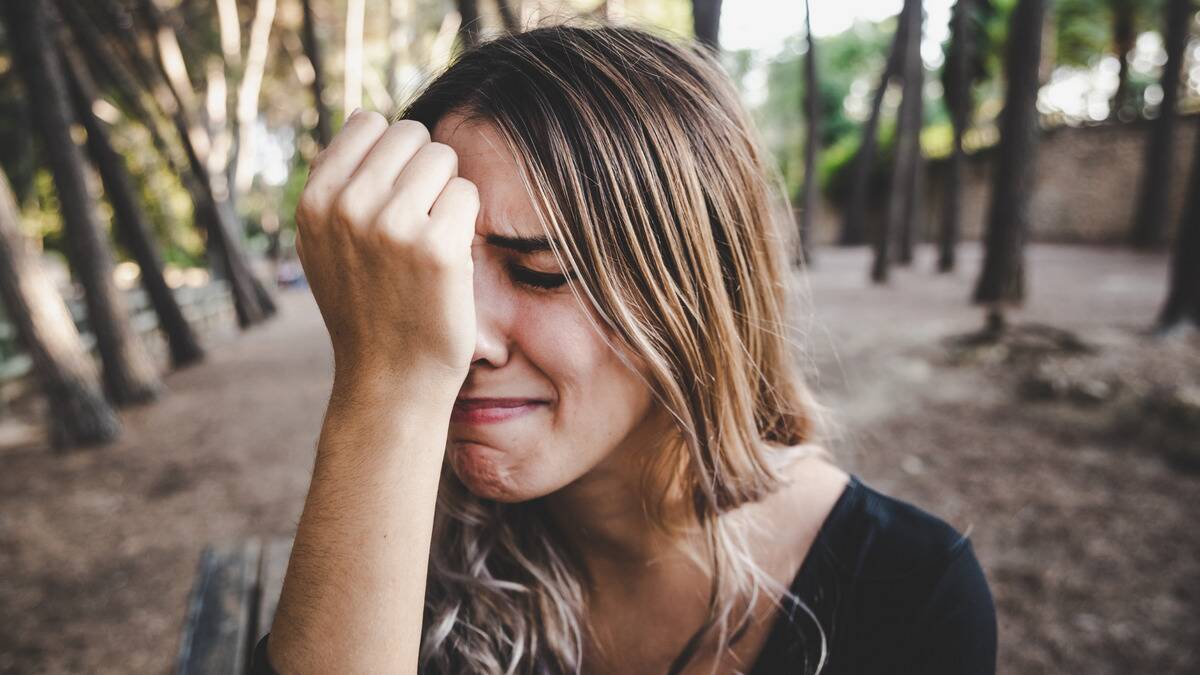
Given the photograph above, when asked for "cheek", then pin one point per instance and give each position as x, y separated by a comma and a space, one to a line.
599, 397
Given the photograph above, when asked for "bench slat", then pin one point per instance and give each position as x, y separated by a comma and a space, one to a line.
221, 611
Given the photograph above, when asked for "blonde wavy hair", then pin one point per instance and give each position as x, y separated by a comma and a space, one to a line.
646, 172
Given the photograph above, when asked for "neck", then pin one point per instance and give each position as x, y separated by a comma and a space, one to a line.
603, 514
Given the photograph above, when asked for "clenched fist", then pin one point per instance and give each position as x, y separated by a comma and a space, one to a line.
384, 232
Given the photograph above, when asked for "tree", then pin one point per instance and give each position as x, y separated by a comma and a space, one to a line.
1123, 35
469, 29
78, 413
1182, 305
706, 23
312, 49
854, 225
964, 65
251, 300
1002, 279
812, 141
902, 198
1151, 212
132, 228
129, 374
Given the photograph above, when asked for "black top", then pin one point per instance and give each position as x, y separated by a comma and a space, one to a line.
896, 591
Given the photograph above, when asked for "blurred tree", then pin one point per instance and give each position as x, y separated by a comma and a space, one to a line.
963, 67
176, 97
902, 198
1002, 280
312, 49
78, 412
469, 29
129, 374
812, 139
508, 16
1124, 33
131, 226
706, 22
853, 226
1151, 213
1183, 296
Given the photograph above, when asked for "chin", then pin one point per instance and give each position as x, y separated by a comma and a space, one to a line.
488, 472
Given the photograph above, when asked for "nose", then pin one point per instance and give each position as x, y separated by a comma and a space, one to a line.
493, 311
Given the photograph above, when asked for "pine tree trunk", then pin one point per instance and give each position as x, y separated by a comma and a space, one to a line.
1002, 279
959, 101
1151, 214
78, 413
1124, 35
812, 113
468, 30
312, 49
508, 16
901, 196
1183, 297
252, 302
129, 373
706, 22
854, 230
132, 228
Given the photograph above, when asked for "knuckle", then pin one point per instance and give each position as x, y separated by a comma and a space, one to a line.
413, 128
346, 206
442, 154
373, 118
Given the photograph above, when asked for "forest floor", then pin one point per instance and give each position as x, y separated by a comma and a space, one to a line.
1052, 461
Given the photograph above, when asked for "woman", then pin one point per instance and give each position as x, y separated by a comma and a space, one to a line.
566, 432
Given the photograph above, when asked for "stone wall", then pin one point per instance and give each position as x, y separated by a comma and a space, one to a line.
1084, 191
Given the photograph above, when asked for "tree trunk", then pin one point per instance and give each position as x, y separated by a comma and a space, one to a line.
508, 16
854, 230
132, 228
248, 90
129, 373
902, 195
1002, 279
312, 49
706, 22
1124, 35
352, 57
960, 104
812, 114
1151, 214
251, 301
1183, 297
78, 413
468, 29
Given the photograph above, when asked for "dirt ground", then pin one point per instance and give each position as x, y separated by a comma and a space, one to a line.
1087, 533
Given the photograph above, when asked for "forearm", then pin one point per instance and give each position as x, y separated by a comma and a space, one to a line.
354, 591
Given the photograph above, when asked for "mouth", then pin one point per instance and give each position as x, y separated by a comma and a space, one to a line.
492, 410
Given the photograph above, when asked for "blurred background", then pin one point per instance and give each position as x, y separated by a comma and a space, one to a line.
998, 204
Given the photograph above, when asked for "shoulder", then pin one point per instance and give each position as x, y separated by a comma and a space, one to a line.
877, 536
912, 574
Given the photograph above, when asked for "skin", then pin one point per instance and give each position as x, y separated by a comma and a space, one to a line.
406, 224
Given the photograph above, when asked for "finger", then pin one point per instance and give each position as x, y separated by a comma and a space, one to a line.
456, 209
339, 161
424, 177
371, 184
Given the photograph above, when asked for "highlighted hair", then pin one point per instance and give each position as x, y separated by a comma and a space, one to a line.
645, 171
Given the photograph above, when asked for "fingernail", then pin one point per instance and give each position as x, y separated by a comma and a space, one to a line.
354, 112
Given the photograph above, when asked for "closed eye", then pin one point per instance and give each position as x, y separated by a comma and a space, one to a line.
538, 280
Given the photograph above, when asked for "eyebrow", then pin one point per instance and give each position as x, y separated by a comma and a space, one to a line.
519, 244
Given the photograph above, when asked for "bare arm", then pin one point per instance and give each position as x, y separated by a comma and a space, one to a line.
386, 227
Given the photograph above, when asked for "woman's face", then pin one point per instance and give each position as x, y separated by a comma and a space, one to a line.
571, 404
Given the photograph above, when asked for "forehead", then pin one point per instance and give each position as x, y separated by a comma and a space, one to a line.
485, 160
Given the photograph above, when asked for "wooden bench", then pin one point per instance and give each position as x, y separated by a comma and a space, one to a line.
231, 605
